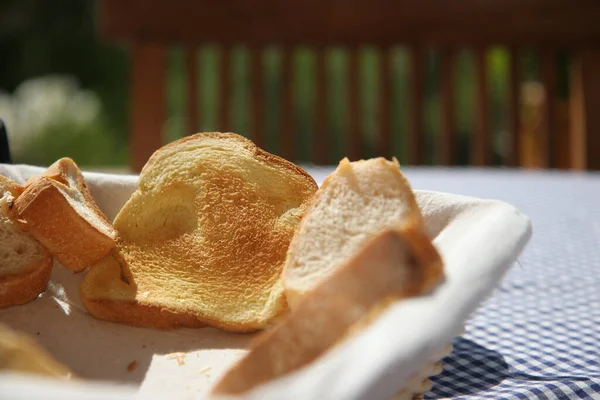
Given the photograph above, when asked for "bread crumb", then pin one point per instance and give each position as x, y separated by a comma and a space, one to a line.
205, 371
132, 365
180, 357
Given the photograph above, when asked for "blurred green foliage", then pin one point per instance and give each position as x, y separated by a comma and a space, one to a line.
39, 38
92, 145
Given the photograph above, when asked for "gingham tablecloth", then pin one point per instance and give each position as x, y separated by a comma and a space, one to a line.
538, 336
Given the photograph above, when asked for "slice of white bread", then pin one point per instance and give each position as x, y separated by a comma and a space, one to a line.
391, 265
25, 264
203, 239
20, 353
356, 201
58, 209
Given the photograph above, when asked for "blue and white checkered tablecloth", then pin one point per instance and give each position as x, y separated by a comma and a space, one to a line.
538, 337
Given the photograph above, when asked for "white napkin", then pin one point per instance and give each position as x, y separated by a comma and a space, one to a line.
479, 240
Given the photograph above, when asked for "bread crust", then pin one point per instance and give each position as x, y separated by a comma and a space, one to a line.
44, 211
23, 288
224, 196
59, 171
294, 293
407, 265
136, 313
248, 144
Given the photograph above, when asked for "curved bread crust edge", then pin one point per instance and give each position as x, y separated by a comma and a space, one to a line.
60, 169
20, 289
48, 216
136, 313
256, 151
293, 294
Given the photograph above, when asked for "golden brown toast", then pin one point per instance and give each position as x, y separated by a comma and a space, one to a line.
203, 239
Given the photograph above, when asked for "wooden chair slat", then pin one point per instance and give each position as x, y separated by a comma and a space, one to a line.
385, 104
547, 131
447, 145
288, 142
257, 104
148, 100
191, 70
321, 147
584, 113
354, 145
416, 89
481, 143
514, 115
225, 90
354, 22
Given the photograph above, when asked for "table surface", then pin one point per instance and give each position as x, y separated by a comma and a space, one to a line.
538, 336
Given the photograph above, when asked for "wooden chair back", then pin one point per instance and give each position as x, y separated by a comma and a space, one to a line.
548, 26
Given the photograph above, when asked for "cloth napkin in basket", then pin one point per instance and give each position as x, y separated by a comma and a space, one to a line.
479, 240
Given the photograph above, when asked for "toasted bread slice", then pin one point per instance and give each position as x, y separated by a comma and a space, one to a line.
25, 264
203, 239
391, 265
58, 209
20, 353
356, 201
